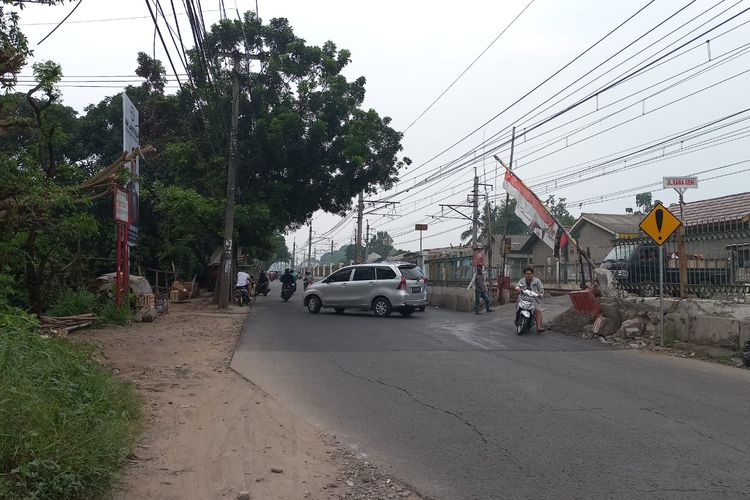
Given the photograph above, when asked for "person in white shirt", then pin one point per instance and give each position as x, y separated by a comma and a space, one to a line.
243, 280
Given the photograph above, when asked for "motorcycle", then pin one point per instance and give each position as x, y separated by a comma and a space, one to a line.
241, 296
525, 311
287, 290
262, 288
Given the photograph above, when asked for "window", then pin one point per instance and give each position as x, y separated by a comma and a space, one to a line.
364, 274
411, 272
339, 276
386, 273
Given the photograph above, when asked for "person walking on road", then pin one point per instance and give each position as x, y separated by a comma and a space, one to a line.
479, 283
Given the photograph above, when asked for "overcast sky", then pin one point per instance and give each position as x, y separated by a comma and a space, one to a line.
410, 52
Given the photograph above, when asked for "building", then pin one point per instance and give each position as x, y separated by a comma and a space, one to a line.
595, 232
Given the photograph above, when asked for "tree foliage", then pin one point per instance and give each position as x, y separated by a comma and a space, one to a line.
305, 143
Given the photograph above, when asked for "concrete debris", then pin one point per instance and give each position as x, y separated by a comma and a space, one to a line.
277, 470
244, 495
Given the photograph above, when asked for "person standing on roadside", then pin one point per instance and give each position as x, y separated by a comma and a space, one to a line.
479, 283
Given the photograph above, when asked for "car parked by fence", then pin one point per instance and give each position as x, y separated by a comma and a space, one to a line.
380, 287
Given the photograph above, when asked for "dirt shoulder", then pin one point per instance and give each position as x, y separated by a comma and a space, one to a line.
209, 433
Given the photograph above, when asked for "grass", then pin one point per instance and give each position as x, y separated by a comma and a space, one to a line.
65, 425
81, 301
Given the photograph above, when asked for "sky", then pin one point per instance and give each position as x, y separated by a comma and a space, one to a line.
410, 52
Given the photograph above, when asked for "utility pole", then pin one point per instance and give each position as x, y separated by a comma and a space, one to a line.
367, 241
360, 210
475, 218
507, 202
309, 247
294, 252
226, 274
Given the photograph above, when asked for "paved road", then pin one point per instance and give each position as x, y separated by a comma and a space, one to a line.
460, 407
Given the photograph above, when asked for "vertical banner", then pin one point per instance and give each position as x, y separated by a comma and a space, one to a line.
131, 141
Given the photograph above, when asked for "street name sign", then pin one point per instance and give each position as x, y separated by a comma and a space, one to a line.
680, 183
659, 224
420, 227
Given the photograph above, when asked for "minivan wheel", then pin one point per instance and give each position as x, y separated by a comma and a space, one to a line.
381, 307
313, 304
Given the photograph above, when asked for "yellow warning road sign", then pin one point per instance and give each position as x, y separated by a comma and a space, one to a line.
659, 224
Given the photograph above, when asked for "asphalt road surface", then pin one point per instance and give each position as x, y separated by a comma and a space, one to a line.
460, 407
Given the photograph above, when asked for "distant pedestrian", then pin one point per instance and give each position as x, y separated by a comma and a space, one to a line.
479, 283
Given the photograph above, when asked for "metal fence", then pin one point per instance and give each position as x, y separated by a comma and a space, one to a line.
717, 255
454, 271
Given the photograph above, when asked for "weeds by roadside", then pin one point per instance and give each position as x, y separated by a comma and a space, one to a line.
65, 425
81, 301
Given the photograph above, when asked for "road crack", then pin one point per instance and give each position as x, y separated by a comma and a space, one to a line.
504, 451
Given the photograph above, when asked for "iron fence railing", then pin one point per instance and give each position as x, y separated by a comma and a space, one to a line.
717, 256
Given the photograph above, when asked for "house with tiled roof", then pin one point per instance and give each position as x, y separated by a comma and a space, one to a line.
734, 207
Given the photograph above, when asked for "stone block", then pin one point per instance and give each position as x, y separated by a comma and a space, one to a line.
715, 330
744, 335
676, 326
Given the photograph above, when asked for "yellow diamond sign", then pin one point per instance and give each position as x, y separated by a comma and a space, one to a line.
659, 224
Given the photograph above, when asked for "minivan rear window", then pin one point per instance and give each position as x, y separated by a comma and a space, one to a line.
411, 272
386, 273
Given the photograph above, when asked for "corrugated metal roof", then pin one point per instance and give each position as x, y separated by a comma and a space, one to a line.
614, 223
731, 207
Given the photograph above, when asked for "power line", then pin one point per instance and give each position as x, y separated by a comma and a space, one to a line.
111, 19
60, 24
468, 67
557, 72
495, 139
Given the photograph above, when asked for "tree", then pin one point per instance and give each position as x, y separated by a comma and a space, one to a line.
497, 215
644, 202
381, 243
559, 210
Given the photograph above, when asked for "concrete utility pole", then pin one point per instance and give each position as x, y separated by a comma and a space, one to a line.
475, 218
507, 202
226, 274
309, 248
294, 252
367, 242
360, 210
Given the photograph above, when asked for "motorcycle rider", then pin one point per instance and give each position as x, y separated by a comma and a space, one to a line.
530, 282
263, 282
243, 283
307, 280
288, 277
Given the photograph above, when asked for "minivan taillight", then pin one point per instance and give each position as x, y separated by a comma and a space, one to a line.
402, 283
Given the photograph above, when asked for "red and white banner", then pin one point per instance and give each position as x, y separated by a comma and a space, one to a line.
532, 212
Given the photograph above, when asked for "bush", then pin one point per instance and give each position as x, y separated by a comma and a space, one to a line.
110, 313
81, 301
74, 302
65, 425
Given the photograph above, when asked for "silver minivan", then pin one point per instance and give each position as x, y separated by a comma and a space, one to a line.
381, 287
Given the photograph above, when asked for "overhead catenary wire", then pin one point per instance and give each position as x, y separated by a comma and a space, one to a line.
507, 27
60, 23
505, 131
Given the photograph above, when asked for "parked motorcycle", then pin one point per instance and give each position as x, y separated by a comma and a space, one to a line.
287, 290
241, 296
525, 311
262, 288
